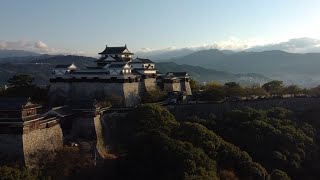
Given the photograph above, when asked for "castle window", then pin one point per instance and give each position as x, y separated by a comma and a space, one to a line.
83, 77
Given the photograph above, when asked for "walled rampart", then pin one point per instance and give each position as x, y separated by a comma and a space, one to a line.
29, 147
89, 90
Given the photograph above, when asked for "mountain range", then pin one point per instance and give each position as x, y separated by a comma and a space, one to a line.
41, 66
203, 65
5, 53
302, 69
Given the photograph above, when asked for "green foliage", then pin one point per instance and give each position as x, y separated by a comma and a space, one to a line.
21, 86
153, 95
279, 175
269, 137
253, 170
152, 116
66, 163
113, 100
158, 143
255, 91
154, 152
21, 81
293, 90
194, 85
315, 91
274, 87
213, 92
233, 89
16, 173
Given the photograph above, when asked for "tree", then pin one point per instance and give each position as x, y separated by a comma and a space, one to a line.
194, 85
292, 90
213, 91
315, 91
279, 175
255, 91
233, 89
17, 173
153, 95
21, 81
274, 87
153, 152
151, 116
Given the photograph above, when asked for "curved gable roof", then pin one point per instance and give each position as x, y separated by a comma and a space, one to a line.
116, 50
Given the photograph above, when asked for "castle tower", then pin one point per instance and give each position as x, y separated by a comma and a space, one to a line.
114, 54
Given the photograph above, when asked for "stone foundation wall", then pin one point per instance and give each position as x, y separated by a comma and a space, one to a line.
41, 141
83, 127
132, 93
149, 83
87, 90
174, 86
185, 86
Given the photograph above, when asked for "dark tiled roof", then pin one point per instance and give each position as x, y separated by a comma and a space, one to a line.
145, 69
135, 72
88, 72
142, 60
14, 103
178, 73
94, 67
62, 66
116, 65
114, 50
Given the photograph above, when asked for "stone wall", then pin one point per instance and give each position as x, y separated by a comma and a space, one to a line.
41, 141
83, 90
172, 86
11, 148
297, 105
149, 83
83, 127
185, 86
132, 93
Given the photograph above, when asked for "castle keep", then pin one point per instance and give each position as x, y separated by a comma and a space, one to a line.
116, 74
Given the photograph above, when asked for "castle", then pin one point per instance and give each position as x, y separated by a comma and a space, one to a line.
116, 74
28, 131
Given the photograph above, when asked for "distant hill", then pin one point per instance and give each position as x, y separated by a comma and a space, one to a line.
207, 75
301, 69
4, 53
41, 68
159, 55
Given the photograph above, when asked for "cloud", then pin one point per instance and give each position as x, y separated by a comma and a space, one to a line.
36, 46
40, 45
297, 45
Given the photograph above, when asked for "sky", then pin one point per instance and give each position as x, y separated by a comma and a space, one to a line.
85, 27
